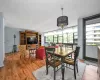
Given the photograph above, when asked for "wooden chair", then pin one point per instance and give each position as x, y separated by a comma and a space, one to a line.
51, 60
32, 54
23, 53
74, 61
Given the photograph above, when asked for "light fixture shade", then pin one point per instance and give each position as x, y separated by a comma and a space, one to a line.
62, 21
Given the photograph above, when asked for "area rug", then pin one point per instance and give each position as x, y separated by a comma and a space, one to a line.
40, 74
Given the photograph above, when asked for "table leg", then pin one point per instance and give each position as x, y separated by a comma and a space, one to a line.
62, 69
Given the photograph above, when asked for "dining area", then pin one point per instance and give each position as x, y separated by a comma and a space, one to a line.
61, 58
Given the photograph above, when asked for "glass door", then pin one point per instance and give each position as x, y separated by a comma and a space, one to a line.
92, 37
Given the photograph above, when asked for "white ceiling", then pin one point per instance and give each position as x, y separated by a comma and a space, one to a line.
41, 15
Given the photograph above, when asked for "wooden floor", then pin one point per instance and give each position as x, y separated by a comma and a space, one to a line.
15, 69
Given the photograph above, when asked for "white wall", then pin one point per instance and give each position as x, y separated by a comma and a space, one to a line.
9, 39
42, 40
2, 52
80, 37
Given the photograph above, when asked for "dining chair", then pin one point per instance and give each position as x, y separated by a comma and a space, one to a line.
23, 53
74, 61
32, 54
51, 60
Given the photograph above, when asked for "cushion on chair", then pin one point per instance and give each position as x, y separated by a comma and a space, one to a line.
23, 52
27, 54
69, 61
57, 63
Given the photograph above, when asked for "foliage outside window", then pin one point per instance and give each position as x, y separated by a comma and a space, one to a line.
56, 36
49, 38
70, 37
55, 39
59, 39
65, 38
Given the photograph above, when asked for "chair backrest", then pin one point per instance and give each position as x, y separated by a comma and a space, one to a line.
22, 49
49, 52
76, 53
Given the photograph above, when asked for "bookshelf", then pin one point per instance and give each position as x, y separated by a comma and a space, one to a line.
25, 34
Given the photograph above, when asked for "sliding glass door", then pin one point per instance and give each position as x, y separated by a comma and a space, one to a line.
92, 37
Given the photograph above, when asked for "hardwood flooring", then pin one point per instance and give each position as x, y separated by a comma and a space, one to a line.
16, 69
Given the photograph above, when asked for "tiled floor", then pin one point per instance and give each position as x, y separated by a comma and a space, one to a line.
90, 73
94, 63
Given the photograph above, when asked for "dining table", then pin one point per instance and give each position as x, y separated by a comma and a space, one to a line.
63, 54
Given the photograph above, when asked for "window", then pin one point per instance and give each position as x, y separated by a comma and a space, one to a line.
60, 38
55, 39
49, 38
70, 37
93, 34
65, 38
75, 36
56, 36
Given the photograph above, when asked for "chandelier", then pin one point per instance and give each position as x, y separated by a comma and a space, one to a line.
61, 22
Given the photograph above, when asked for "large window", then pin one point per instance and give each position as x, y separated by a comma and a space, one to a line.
55, 38
65, 38
49, 38
68, 38
93, 34
60, 38
69, 35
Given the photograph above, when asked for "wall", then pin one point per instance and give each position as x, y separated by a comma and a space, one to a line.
2, 51
42, 39
80, 37
9, 39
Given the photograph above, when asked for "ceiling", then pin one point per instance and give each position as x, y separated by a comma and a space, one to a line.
41, 15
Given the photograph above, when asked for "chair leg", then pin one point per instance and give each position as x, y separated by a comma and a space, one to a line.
74, 73
54, 73
46, 69
69, 65
66, 66
77, 67
57, 67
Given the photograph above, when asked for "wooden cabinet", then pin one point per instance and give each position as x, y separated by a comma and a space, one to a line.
25, 34
39, 40
22, 38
